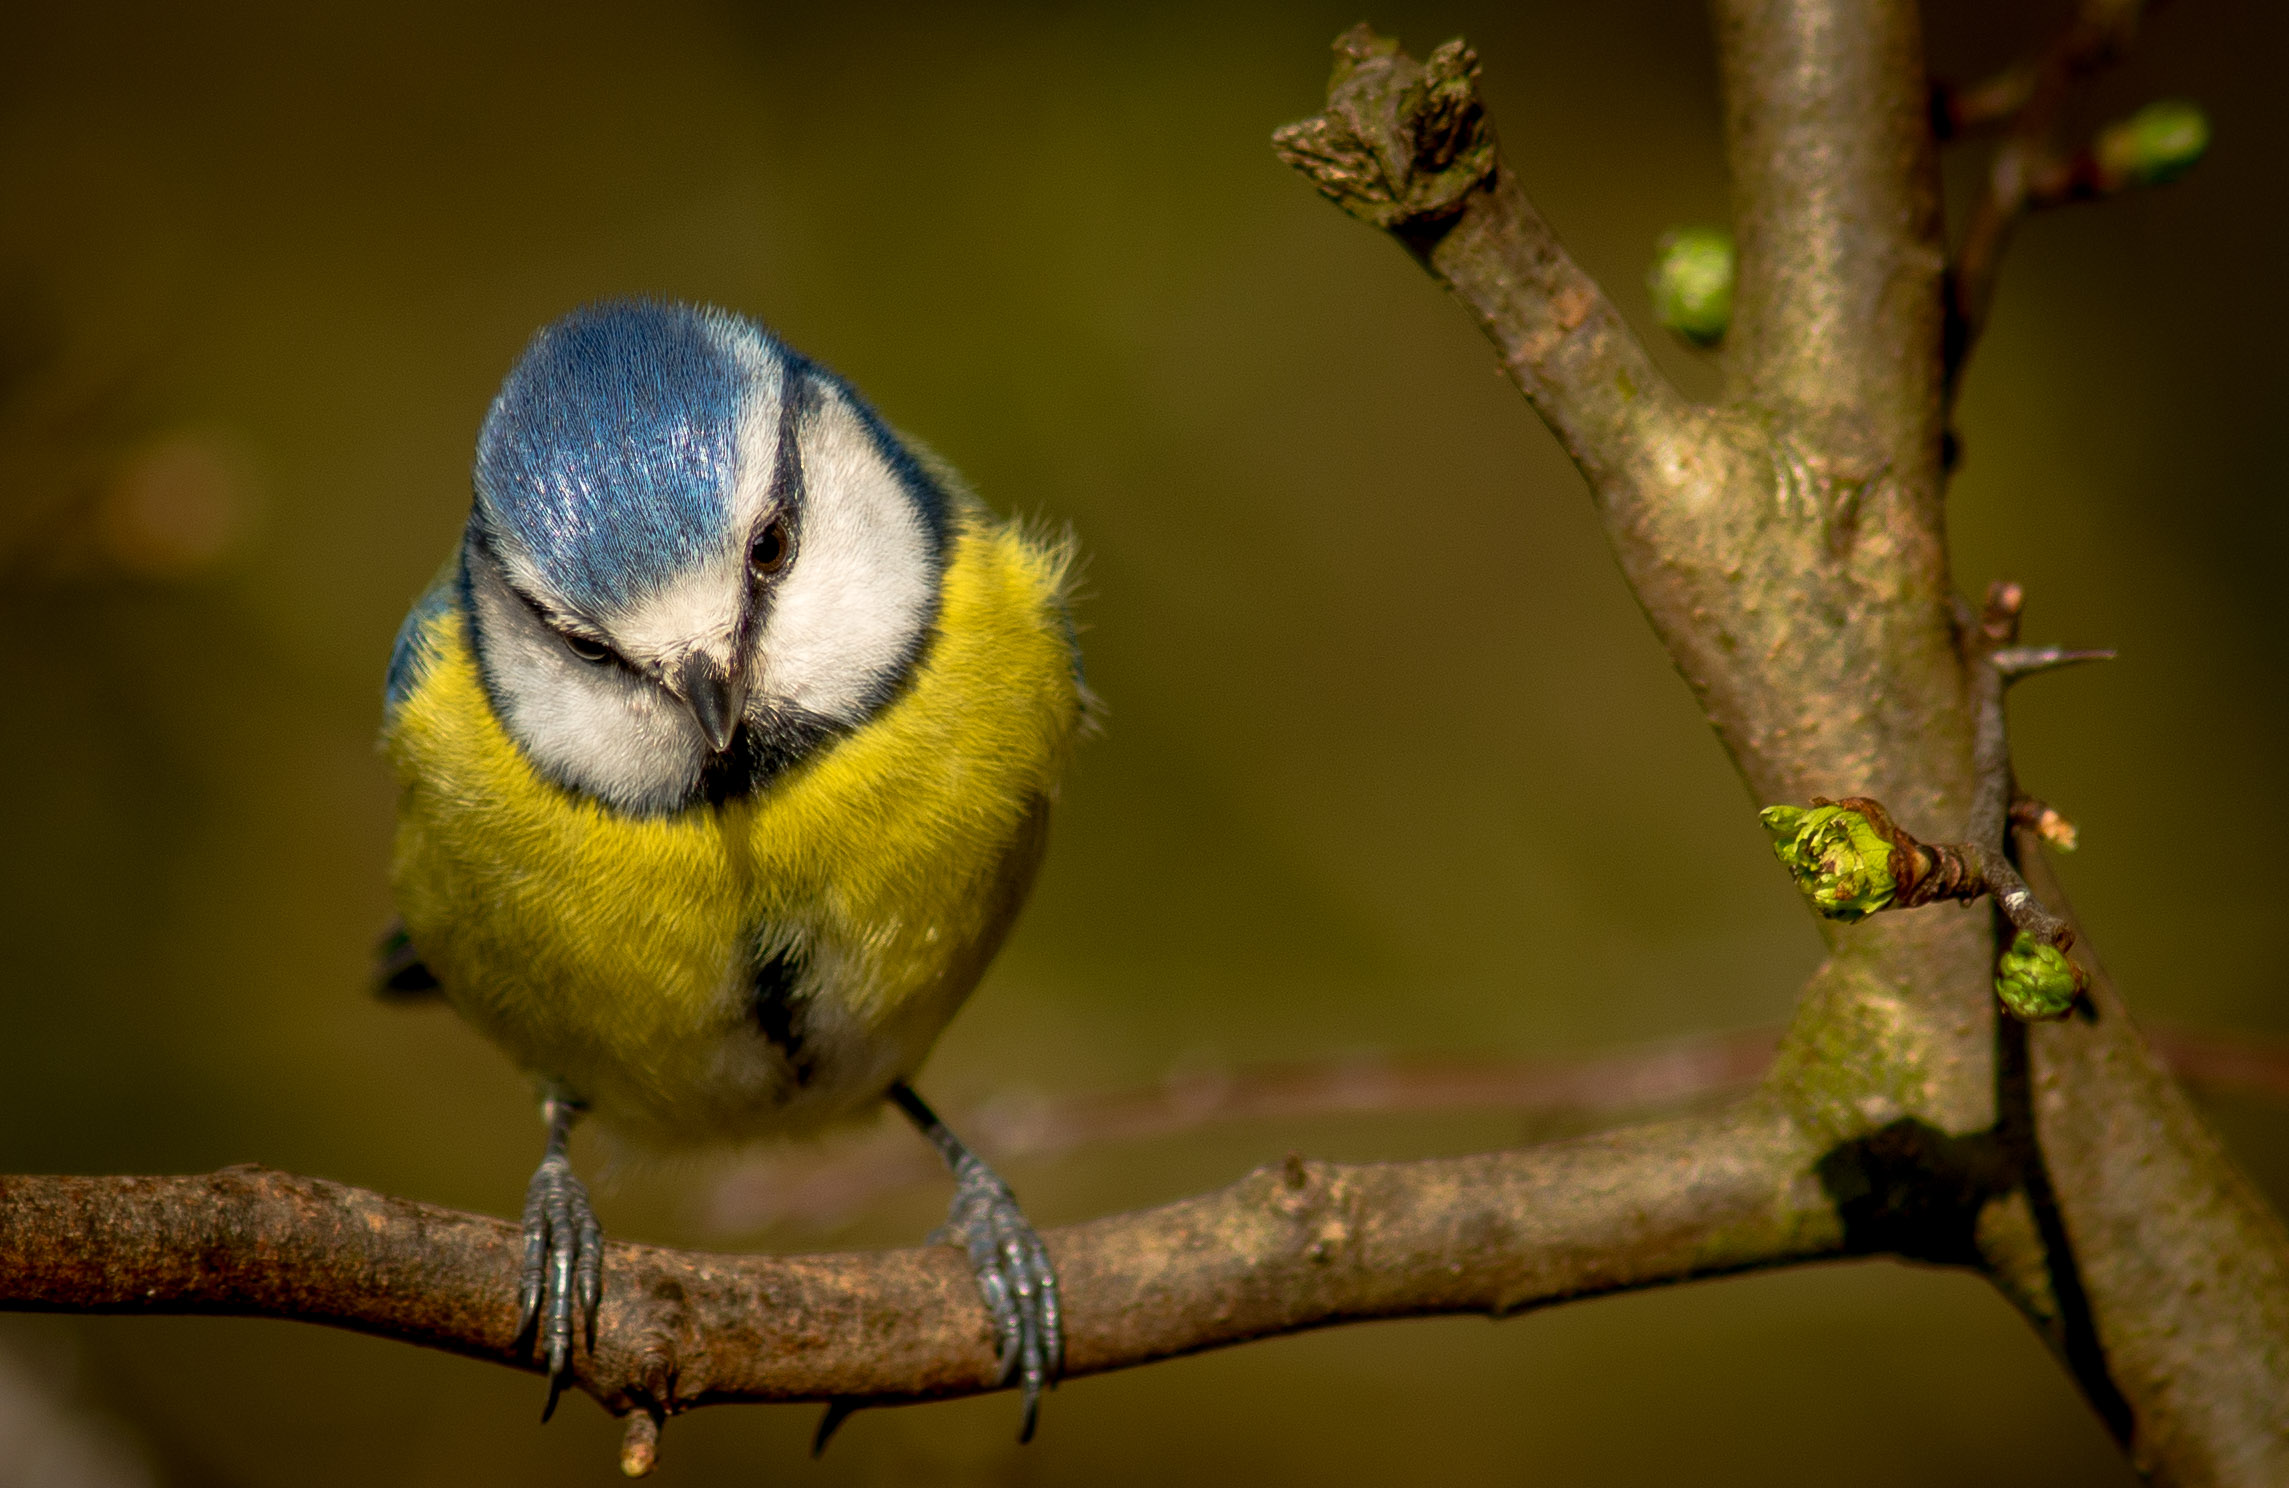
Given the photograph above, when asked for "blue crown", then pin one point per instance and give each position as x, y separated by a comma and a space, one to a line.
610, 454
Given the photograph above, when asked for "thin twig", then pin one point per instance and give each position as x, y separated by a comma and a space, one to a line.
2026, 170
2100, 33
1980, 865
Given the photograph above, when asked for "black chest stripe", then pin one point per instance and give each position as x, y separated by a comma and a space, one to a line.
779, 1012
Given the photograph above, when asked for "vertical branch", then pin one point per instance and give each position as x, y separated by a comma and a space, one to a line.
1833, 357
1837, 309
2185, 1267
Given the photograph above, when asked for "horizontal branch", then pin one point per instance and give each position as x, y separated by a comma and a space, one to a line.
1292, 1246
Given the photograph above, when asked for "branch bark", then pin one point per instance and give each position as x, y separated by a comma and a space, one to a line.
1799, 574
1292, 1246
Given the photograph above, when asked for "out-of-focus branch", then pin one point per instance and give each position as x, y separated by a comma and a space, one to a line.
2100, 33
2029, 171
1293, 1246
820, 1187
2029, 98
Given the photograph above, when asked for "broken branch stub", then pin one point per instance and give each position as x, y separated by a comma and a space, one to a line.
1403, 143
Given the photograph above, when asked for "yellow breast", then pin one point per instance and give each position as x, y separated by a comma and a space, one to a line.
615, 953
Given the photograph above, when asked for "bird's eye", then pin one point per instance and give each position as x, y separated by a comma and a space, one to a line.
768, 554
586, 649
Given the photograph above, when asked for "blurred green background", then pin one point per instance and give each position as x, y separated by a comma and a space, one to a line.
1392, 761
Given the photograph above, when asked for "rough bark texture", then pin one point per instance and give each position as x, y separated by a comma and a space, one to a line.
1789, 547
1291, 1246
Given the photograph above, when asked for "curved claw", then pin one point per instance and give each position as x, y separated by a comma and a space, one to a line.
563, 1273
1015, 1281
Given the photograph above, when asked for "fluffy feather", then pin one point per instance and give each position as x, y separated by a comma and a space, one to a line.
619, 953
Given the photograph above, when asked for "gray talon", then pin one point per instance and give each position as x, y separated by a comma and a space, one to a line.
563, 1272
1015, 1280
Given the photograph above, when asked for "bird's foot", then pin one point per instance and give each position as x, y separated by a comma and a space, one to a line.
1014, 1278
563, 1264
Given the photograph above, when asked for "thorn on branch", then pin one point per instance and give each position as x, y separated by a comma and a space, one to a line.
1403, 143
2015, 662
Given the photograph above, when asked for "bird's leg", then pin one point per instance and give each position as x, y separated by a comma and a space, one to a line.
1007, 1257
564, 1251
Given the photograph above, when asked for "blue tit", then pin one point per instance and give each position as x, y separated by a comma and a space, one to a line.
726, 743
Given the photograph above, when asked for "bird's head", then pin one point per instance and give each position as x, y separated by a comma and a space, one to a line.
694, 555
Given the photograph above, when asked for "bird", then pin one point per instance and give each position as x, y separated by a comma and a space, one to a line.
726, 741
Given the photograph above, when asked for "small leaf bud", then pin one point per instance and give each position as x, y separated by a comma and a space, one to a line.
1692, 283
1837, 857
2157, 144
2036, 981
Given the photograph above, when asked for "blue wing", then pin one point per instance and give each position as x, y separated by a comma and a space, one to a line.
410, 657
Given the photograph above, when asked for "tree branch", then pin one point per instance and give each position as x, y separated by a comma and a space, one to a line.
2184, 1267
1800, 579
1837, 208
1407, 147
1291, 1247
2100, 33
2026, 171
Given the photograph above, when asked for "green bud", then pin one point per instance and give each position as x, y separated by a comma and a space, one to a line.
1838, 858
1692, 283
2159, 143
2036, 980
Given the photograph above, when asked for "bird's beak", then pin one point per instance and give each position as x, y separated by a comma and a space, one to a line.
715, 699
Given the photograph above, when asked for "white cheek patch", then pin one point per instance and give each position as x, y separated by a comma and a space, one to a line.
594, 727
856, 600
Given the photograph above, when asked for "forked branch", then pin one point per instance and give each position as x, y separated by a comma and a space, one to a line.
1852, 859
